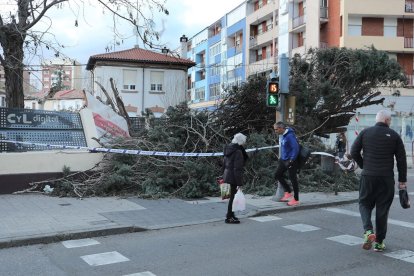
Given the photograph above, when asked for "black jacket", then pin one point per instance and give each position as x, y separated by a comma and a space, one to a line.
379, 145
234, 158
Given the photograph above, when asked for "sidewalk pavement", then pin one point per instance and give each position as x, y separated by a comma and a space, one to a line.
37, 218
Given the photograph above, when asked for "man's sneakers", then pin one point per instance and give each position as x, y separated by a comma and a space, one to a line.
379, 246
293, 202
369, 238
287, 196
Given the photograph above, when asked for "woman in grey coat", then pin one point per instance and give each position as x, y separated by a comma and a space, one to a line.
234, 158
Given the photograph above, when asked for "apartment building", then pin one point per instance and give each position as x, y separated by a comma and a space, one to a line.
68, 71
262, 37
218, 50
388, 25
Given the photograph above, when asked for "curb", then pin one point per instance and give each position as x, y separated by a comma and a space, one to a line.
45, 239
79, 234
301, 207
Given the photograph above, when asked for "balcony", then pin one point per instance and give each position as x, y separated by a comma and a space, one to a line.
392, 44
264, 13
252, 42
259, 65
262, 39
323, 45
298, 21
390, 7
232, 51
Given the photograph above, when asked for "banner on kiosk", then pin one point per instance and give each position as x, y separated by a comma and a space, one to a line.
108, 123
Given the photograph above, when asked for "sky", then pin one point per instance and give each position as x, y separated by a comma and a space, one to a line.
94, 31
95, 28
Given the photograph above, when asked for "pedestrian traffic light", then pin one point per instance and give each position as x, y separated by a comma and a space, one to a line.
272, 93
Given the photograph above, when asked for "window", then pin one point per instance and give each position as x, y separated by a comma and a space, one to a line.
199, 93
269, 25
214, 51
214, 89
259, 55
157, 81
215, 70
130, 77
237, 41
390, 27
355, 26
260, 29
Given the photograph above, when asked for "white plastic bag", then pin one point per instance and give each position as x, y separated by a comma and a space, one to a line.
239, 202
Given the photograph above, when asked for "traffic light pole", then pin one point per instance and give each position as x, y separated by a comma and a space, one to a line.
284, 90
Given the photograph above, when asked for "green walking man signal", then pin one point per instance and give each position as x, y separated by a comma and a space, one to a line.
272, 93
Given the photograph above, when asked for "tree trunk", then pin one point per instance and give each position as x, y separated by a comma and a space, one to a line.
12, 44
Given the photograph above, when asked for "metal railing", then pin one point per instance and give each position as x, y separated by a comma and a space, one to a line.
324, 12
298, 21
252, 42
408, 42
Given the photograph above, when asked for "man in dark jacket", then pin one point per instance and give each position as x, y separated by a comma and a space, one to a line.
379, 145
234, 158
288, 162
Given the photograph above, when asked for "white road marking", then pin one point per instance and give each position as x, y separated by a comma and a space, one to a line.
104, 258
356, 214
347, 239
301, 227
342, 211
79, 243
403, 255
145, 273
265, 218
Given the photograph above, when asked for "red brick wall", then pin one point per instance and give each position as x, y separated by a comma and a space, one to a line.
331, 32
405, 27
372, 26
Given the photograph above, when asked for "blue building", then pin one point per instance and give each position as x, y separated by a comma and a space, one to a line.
218, 51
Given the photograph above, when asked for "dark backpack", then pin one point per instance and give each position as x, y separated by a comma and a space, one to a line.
303, 156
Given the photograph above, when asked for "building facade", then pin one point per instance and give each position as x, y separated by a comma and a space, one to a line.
259, 29
219, 54
144, 79
65, 100
66, 71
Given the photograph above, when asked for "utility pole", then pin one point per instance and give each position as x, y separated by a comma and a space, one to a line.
284, 44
